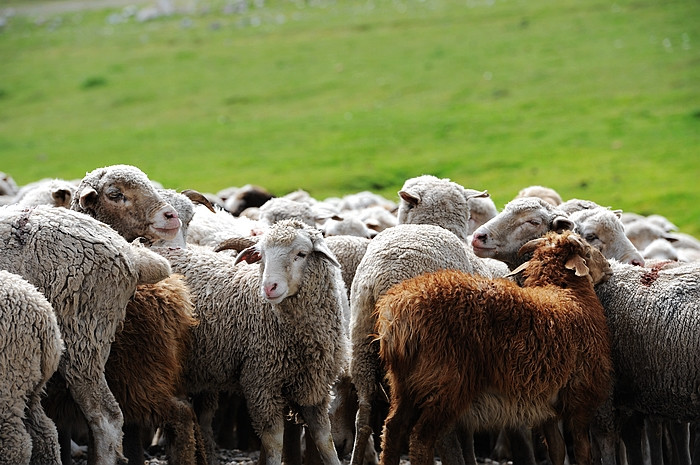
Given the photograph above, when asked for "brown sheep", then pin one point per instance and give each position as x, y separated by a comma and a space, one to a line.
463, 348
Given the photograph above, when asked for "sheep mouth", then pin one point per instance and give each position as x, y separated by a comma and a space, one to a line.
166, 233
483, 251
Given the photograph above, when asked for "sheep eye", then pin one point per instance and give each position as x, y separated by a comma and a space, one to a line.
534, 222
301, 255
116, 196
591, 237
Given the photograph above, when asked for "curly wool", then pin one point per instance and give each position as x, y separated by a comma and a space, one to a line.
30, 349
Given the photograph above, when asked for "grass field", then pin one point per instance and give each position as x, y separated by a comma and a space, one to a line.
597, 99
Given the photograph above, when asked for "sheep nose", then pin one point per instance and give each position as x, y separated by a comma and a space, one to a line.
637, 262
480, 237
170, 214
270, 288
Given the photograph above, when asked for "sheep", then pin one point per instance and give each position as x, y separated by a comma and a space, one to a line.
433, 225
30, 350
547, 194
454, 345
602, 228
8, 189
211, 228
450, 205
55, 192
163, 311
652, 313
88, 273
246, 197
281, 208
521, 220
123, 197
273, 332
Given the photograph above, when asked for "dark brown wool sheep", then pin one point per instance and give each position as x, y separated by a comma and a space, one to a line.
463, 348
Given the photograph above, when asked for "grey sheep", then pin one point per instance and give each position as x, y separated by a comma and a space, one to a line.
88, 273
54, 192
653, 314
273, 332
30, 349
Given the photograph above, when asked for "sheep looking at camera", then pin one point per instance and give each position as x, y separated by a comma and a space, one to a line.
273, 332
454, 345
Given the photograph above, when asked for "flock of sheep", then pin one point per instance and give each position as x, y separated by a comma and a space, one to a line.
350, 327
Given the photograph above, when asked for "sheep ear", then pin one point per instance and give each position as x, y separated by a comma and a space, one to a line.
578, 264
321, 247
61, 195
479, 195
88, 198
248, 255
561, 223
409, 198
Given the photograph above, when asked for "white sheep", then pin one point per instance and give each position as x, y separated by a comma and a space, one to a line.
54, 192
547, 194
30, 349
88, 273
273, 331
437, 213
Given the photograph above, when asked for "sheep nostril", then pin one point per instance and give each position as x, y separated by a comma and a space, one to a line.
171, 214
637, 263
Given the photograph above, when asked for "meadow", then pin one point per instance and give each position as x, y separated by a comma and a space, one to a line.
596, 99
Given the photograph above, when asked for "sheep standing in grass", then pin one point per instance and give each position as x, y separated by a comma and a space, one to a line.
273, 331
88, 273
30, 349
460, 347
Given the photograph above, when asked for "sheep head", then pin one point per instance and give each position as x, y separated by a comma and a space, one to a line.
284, 253
123, 197
574, 252
522, 220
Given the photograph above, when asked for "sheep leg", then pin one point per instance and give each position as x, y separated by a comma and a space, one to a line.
449, 448
425, 433
679, 433
45, 449
555, 442
133, 446
319, 427
272, 439
363, 431
102, 413
632, 431
180, 429
205, 405
521, 445
399, 421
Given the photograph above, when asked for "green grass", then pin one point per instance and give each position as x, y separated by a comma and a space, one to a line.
599, 100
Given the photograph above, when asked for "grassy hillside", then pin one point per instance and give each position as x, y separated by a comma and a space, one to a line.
597, 99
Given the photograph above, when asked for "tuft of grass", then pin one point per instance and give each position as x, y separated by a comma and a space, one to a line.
598, 100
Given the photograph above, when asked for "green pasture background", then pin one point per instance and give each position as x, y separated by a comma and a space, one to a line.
597, 99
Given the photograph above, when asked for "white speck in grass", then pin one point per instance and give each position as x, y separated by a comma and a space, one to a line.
667, 44
347, 116
488, 75
685, 41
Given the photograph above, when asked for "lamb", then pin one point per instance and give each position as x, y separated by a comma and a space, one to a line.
454, 345
30, 349
248, 196
652, 314
273, 332
88, 273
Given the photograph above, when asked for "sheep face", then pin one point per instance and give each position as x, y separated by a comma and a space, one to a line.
521, 220
284, 253
123, 197
603, 229
571, 251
